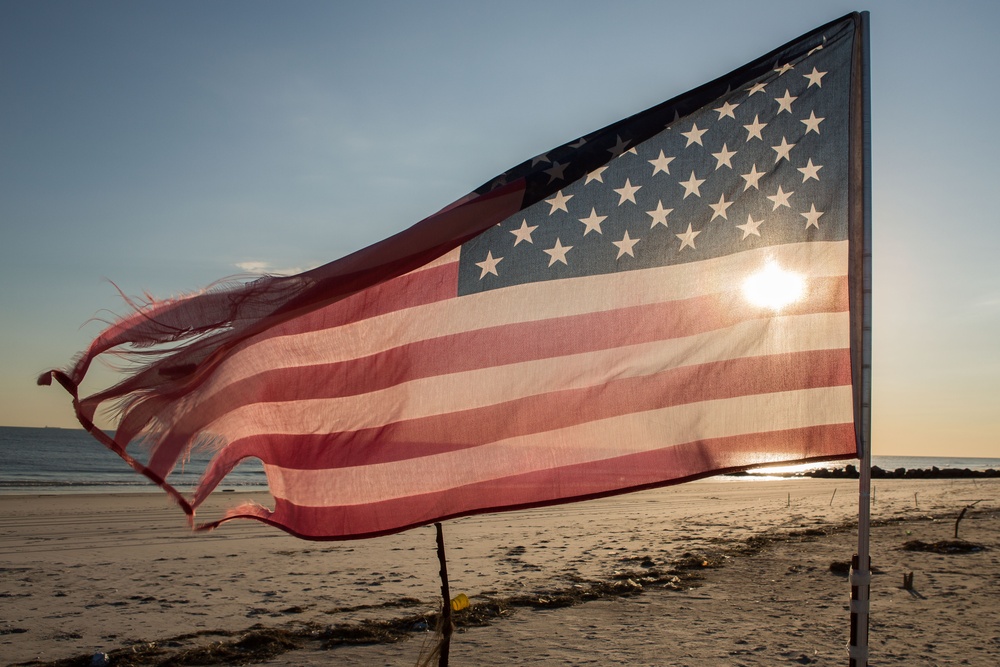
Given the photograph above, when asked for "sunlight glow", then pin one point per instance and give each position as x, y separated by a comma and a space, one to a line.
774, 287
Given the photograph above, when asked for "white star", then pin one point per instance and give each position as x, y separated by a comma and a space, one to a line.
627, 192
814, 49
726, 109
659, 215
625, 246
812, 217
750, 227
780, 199
782, 150
489, 265
810, 171
539, 158
596, 175
756, 88
754, 129
752, 177
558, 202
556, 171
694, 135
720, 208
787, 67
815, 78
785, 103
692, 186
687, 238
724, 157
812, 122
558, 253
593, 222
579, 142
618, 148
523, 233
661, 163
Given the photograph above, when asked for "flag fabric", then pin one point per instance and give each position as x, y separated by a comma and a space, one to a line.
671, 297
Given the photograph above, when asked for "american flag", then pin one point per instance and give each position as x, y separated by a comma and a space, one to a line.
664, 299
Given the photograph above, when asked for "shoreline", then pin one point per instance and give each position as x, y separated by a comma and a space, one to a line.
82, 574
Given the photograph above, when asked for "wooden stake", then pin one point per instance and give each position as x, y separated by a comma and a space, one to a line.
446, 627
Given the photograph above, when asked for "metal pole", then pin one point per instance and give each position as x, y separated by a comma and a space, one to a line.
861, 564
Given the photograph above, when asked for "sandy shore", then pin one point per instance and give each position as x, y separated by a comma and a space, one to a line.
81, 574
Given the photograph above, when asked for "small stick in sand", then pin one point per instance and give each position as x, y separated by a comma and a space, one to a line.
915, 503
962, 514
832, 497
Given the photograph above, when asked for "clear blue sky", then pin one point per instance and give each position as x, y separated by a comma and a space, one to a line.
166, 145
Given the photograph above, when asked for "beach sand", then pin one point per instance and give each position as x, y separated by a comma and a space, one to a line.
725, 571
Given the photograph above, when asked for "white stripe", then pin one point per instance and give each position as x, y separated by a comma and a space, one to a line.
521, 303
594, 441
466, 390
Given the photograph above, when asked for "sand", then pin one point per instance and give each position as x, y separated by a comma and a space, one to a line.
727, 571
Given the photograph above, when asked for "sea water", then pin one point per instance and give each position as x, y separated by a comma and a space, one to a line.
56, 460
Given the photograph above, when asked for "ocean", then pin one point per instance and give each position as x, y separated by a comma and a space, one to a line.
56, 460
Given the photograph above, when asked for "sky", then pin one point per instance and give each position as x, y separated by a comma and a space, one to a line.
159, 147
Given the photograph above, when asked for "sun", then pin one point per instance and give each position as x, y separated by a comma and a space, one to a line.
774, 287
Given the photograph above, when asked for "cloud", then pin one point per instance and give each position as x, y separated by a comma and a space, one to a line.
261, 268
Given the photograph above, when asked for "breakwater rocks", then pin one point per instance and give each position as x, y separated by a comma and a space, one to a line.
851, 472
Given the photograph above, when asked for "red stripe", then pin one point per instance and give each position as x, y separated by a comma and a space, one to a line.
407, 291
663, 467
498, 346
536, 414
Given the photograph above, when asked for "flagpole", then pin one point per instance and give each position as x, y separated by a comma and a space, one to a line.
861, 564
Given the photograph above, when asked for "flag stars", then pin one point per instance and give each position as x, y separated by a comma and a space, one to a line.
752, 178
692, 186
558, 203
756, 88
625, 246
780, 198
785, 102
662, 163
659, 215
719, 210
557, 253
523, 233
592, 223
627, 192
810, 171
787, 67
596, 175
815, 78
754, 128
489, 265
724, 157
726, 110
812, 122
694, 135
812, 216
556, 171
782, 149
687, 238
620, 147
751, 227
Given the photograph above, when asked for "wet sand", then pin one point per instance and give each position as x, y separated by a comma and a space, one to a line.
728, 571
